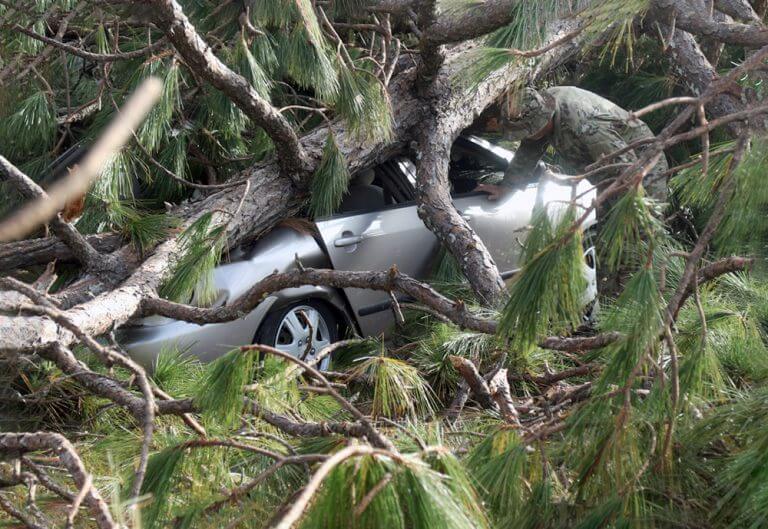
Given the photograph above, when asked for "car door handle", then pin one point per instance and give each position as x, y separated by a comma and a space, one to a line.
348, 241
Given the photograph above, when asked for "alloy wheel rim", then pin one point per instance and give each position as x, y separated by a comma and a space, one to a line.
303, 333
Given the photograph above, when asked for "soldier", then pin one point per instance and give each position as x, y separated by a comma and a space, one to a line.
581, 126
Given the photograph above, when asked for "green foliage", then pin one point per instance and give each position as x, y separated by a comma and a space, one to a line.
220, 391
547, 293
447, 269
145, 230
173, 156
309, 63
330, 181
443, 340
176, 372
413, 496
745, 483
616, 17
193, 274
695, 189
363, 102
529, 24
158, 484
398, 389
637, 314
744, 228
31, 128
251, 69
157, 125
458, 481
527, 29
629, 228
500, 468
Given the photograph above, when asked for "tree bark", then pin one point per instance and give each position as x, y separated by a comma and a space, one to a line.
692, 68
452, 110
34, 252
690, 16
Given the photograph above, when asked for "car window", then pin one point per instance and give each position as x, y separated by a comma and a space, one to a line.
472, 164
387, 186
397, 176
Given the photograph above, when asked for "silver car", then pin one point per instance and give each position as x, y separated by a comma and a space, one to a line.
377, 227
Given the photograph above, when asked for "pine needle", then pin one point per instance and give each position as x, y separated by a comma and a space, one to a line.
330, 181
309, 64
193, 274
547, 293
398, 389
629, 228
220, 392
158, 483
363, 102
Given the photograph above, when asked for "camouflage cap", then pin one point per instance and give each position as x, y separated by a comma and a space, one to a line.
526, 113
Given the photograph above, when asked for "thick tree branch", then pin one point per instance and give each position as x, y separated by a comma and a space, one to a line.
694, 71
689, 17
33, 252
448, 117
431, 55
472, 377
390, 280
738, 9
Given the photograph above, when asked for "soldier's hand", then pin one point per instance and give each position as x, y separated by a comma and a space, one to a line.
495, 192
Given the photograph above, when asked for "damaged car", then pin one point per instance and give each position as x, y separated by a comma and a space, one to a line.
376, 227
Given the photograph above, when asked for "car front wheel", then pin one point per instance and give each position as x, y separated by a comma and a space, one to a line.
301, 329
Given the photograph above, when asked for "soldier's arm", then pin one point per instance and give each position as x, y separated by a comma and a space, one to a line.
522, 166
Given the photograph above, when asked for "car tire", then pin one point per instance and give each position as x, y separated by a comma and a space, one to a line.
287, 330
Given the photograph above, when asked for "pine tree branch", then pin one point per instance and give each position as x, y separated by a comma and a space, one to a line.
68, 234
696, 73
33, 252
17, 444
373, 435
63, 25
501, 394
738, 9
300, 504
390, 280
431, 56
691, 19
471, 376
199, 56
95, 57
79, 180
24, 517
694, 256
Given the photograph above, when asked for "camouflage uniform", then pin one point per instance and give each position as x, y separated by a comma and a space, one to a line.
586, 126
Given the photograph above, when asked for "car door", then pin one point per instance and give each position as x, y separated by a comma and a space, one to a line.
502, 225
393, 235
